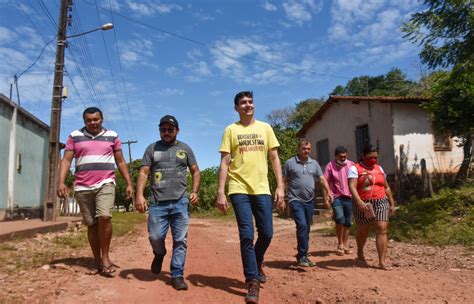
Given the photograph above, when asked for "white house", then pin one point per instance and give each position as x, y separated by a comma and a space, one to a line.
398, 126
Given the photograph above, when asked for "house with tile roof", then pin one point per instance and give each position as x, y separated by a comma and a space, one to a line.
397, 126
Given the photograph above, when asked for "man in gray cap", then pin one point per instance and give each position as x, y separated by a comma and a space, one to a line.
166, 162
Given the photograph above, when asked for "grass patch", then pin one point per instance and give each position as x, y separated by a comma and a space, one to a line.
445, 219
124, 222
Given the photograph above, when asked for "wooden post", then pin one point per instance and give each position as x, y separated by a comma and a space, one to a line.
426, 178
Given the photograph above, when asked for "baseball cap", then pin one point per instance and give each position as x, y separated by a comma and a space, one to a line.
169, 119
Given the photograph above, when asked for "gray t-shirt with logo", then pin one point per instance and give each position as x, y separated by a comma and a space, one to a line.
168, 170
301, 178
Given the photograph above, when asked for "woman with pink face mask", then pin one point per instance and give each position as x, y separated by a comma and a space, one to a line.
373, 203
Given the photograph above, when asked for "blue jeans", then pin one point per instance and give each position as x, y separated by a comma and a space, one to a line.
160, 216
302, 214
342, 208
259, 206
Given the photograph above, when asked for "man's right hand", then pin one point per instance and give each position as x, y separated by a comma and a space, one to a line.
140, 203
221, 203
63, 191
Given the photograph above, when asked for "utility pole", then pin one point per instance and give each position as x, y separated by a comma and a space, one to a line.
129, 143
129, 149
50, 206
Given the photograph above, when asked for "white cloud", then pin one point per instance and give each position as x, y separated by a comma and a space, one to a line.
114, 4
300, 11
227, 58
197, 69
136, 51
6, 35
269, 6
150, 8
30, 38
172, 71
170, 92
202, 16
368, 23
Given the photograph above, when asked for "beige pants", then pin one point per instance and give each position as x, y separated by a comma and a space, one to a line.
95, 203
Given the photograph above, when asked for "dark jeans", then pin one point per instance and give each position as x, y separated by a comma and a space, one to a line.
302, 214
259, 206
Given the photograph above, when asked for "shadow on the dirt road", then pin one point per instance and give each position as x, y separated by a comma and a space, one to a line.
342, 263
86, 262
284, 265
226, 284
144, 275
321, 253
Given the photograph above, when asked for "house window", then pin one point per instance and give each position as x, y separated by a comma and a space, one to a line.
362, 139
322, 152
442, 142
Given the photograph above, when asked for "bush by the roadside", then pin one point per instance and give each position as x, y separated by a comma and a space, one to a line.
445, 219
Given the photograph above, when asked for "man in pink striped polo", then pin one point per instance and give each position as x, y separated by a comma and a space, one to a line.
96, 151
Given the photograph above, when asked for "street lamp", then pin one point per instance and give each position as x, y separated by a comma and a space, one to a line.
50, 206
105, 27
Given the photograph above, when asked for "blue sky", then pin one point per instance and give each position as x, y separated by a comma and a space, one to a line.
189, 58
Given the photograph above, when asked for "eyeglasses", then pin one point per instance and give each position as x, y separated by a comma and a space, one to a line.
169, 130
373, 157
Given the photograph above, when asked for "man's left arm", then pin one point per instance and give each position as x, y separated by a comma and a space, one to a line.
279, 192
123, 169
196, 177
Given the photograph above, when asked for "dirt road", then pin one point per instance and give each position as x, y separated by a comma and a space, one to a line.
422, 274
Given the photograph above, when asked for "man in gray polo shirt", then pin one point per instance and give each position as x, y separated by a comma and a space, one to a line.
300, 175
166, 162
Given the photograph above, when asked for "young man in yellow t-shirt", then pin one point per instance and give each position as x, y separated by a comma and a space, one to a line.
244, 149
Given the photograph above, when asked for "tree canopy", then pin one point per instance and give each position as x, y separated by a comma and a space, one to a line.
295, 117
394, 83
445, 30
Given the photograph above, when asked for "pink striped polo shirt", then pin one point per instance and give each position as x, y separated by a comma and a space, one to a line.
94, 158
336, 175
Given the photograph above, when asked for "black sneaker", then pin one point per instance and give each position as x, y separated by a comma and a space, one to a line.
262, 277
252, 294
156, 264
179, 283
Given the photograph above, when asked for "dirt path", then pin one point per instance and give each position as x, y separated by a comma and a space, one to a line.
213, 271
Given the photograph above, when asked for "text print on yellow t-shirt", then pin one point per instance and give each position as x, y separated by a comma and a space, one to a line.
250, 142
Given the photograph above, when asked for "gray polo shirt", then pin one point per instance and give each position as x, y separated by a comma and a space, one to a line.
168, 170
301, 178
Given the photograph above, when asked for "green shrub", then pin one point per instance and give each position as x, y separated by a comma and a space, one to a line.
445, 219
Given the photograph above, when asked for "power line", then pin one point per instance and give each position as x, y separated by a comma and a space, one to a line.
225, 52
37, 58
47, 13
121, 72
74, 86
111, 71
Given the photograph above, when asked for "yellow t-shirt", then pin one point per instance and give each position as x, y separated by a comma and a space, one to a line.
248, 147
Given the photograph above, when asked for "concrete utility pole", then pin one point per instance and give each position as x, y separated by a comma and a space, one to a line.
129, 143
50, 206
129, 149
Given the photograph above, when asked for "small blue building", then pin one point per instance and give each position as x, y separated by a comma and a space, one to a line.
23, 162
